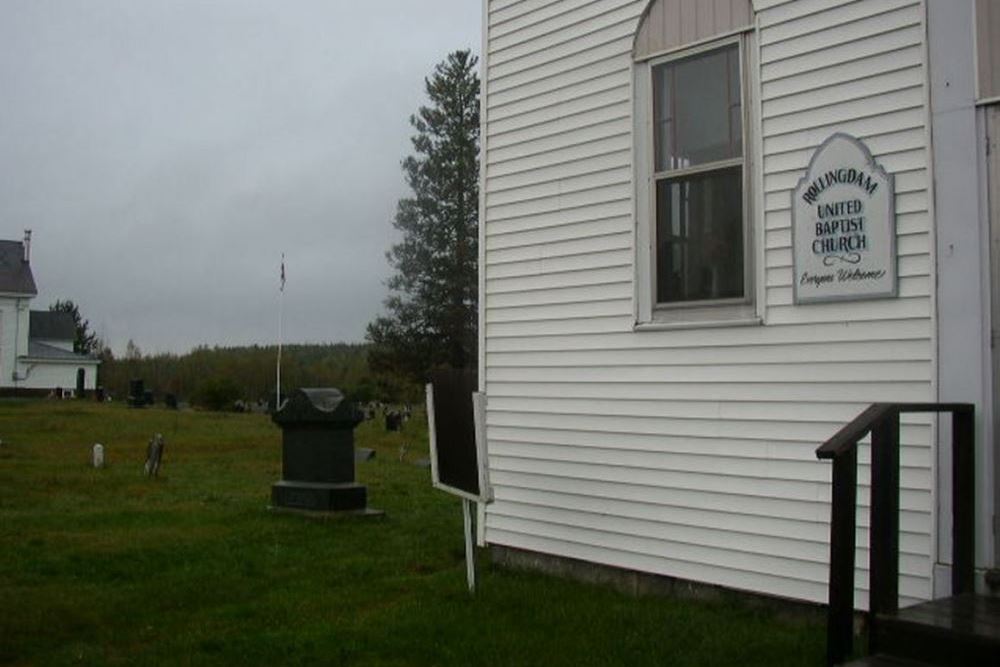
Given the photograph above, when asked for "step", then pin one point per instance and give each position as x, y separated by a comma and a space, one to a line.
960, 631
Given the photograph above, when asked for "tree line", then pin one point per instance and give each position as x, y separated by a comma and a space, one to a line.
217, 377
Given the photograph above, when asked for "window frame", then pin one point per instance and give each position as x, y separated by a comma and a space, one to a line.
722, 312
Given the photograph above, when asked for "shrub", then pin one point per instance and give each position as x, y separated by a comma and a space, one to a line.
218, 393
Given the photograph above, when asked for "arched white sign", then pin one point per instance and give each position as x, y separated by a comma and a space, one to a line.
843, 226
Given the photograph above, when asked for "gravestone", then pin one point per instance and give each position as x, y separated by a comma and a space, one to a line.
97, 455
317, 454
136, 394
393, 421
154, 455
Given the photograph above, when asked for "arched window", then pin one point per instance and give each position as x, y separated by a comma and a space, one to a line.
694, 260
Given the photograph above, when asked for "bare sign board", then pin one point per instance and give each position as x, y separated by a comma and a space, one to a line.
844, 226
454, 418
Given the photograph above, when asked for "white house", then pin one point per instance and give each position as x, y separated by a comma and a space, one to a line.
660, 362
36, 347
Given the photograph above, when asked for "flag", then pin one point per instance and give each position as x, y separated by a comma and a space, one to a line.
282, 272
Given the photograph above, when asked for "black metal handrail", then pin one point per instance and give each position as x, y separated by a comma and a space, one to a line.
882, 421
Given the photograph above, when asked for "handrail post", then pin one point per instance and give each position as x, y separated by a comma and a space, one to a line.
963, 494
883, 555
882, 421
840, 622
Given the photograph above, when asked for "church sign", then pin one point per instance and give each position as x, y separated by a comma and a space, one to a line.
843, 226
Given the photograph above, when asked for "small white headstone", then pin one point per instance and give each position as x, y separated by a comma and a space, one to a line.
154, 454
98, 455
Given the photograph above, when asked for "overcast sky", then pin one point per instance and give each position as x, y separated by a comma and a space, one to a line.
165, 153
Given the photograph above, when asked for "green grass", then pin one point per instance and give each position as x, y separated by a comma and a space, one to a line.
108, 567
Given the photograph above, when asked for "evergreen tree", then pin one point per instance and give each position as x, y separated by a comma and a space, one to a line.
432, 306
85, 341
132, 351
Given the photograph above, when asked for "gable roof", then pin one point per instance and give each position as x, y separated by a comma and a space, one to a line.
15, 273
51, 325
42, 352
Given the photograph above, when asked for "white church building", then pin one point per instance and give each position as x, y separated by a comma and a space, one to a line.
659, 352
36, 347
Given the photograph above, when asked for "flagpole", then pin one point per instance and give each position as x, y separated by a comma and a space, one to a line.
281, 309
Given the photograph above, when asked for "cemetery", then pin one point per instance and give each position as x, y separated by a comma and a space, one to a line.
109, 565
687, 355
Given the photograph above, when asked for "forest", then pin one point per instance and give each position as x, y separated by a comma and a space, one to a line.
218, 377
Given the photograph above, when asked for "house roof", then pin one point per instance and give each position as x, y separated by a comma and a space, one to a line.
15, 273
42, 352
51, 325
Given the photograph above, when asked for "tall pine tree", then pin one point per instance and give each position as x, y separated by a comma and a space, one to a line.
86, 341
432, 306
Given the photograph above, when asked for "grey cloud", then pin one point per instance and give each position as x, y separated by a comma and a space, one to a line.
166, 153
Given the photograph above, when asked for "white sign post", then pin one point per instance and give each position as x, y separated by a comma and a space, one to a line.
471, 491
843, 226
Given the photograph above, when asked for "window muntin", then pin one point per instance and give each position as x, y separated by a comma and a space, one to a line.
697, 110
698, 178
699, 236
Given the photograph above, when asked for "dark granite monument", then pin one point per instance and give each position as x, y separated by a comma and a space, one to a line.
317, 454
136, 394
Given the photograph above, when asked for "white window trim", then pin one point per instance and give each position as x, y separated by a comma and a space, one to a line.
721, 313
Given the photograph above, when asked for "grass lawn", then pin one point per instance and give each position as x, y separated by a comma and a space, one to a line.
108, 567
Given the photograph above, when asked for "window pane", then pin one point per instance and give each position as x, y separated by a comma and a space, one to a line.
697, 115
699, 237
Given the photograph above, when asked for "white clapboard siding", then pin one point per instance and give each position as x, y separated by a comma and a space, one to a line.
861, 127
811, 549
514, 238
563, 34
752, 338
617, 94
691, 452
567, 96
726, 505
762, 392
817, 353
559, 190
546, 18
519, 96
915, 457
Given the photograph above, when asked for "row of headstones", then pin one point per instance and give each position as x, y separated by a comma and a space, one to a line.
258, 407
61, 393
140, 397
154, 455
373, 409
394, 417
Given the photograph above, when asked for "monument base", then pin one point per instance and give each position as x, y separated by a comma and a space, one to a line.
319, 497
322, 516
